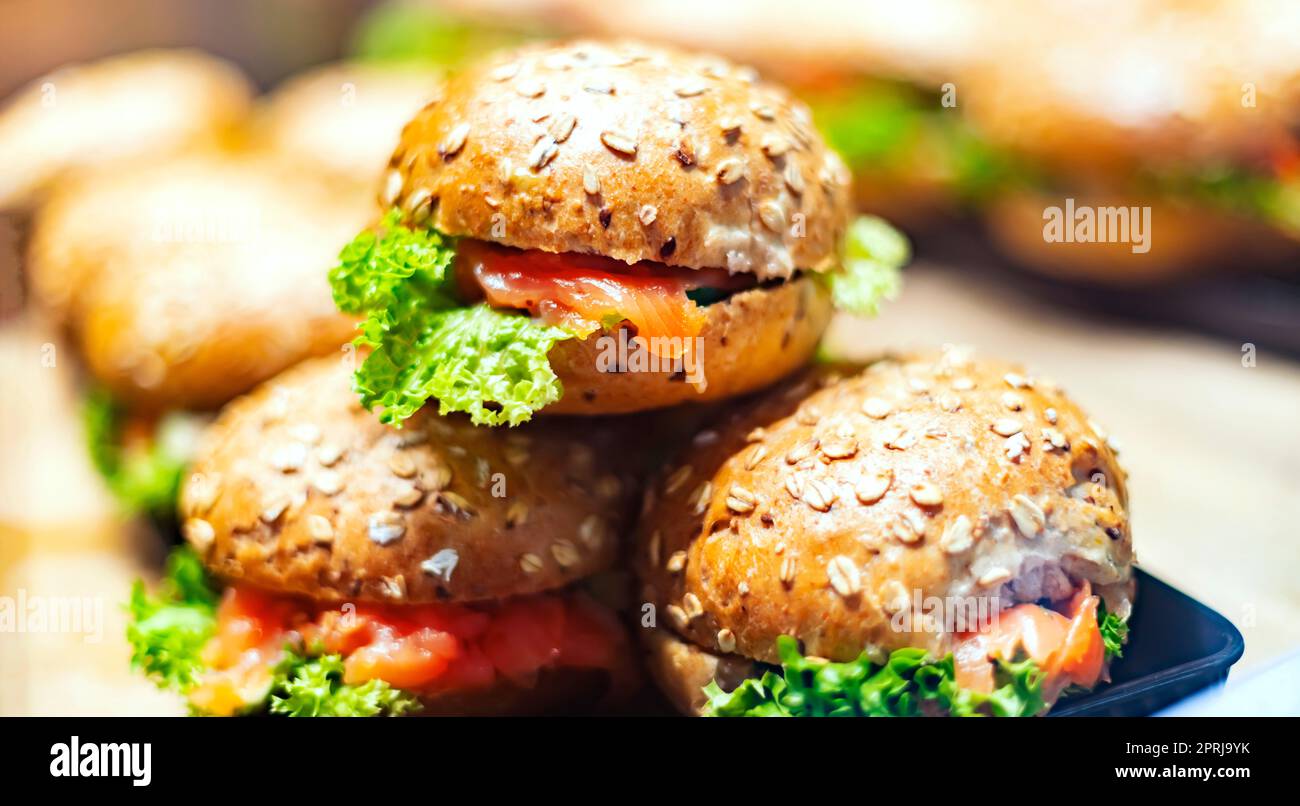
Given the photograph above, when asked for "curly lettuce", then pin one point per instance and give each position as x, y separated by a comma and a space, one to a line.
899, 687
168, 630
874, 255
145, 477
1114, 631
426, 344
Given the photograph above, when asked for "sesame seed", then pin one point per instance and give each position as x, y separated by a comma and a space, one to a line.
690, 89
763, 111
731, 127
677, 479
542, 153
1016, 381
950, 403
516, 514
435, 479
963, 384
819, 495
872, 488
757, 435
619, 142
328, 454
808, 415
926, 494
531, 88
1013, 401
994, 576
592, 531
328, 482
1054, 439
787, 571
774, 145
202, 492
392, 187
691, 606
441, 564
844, 576
565, 553
839, 447
794, 484
726, 640
793, 179
320, 529
530, 563
385, 527
677, 616
647, 214
755, 456
199, 533
454, 141
505, 72
740, 500
1006, 426
676, 563
1029, 517
899, 439
772, 216
876, 409
800, 451
743, 588
1051, 416
407, 495
599, 86
454, 502
730, 170
1016, 446
919, 386
563, 127
702, 495
904, 530
590, 182
288, 458
273, 506
957, 536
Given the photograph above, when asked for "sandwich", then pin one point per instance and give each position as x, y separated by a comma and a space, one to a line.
933, 534
590, 228
182, 283
340, 567
144, 104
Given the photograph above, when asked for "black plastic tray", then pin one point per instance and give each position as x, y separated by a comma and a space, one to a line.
1177, 646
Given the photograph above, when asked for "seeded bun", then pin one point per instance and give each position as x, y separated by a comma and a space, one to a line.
345, 119
750, 340
144, 103
822, 509
628, 151
186, 282
297, 489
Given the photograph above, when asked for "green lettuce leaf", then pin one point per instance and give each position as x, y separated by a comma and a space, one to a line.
874, 256
815, 687
401, 31
426, 344
167, 631
1114, 631
141, 479
305, 686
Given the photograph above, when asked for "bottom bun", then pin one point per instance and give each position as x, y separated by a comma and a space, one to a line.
750, 340
682, 669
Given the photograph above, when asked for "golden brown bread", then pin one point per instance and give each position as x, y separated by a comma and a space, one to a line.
822, 509
345, 119
750, 340
297, 489
189, 281
144, 103
629, 151
681, 669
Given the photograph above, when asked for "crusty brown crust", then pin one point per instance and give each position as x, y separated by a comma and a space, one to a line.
189, 281
629, 151
297, 489
74, 119
997, 485
682, 669
750, 340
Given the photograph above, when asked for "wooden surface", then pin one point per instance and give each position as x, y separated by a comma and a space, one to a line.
1212, 448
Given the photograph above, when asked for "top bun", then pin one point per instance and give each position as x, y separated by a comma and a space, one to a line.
826, 507
146, 103
628, 151
299, 490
